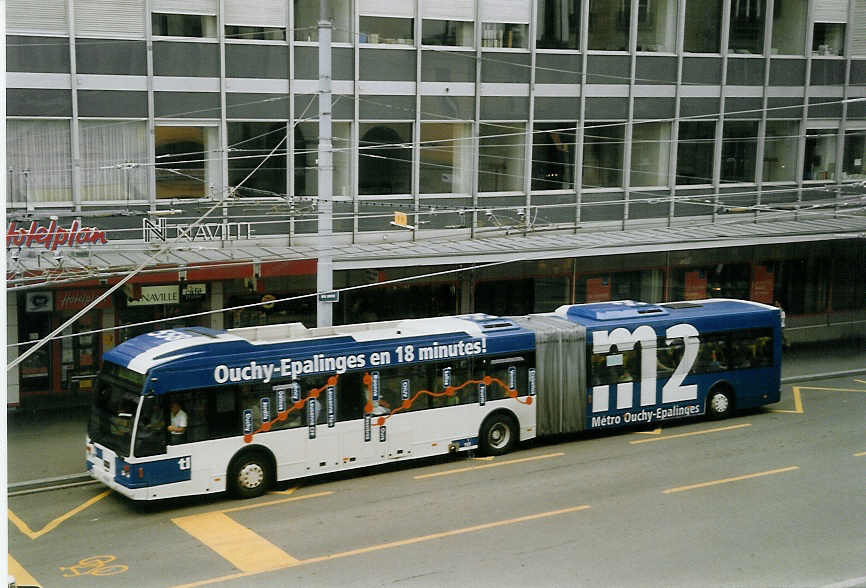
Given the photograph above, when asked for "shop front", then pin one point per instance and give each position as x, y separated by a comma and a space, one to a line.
62, 371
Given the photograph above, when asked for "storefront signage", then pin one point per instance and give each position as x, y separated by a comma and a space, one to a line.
78, 299
161, 231
193, 291
39, 302
53, 236
151, 295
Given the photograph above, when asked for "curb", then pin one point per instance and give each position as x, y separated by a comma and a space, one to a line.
44, 484
824, 376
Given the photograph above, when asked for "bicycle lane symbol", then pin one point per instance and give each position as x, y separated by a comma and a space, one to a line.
95, 565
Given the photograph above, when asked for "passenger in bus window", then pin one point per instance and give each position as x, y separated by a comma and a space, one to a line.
178, 425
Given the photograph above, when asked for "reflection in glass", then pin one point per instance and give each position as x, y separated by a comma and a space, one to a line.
553, 147
386, 30
602, 155
780, 151
650, 154
739, 149
695, 152
789, 27
500, 157
307, 19
558, 24
855, 154
250, 144
385, 158
703, 29
609, 25
504, 35
454, 33
185, 165
820, 160
828, 38
747, 27
656, 25
446, 158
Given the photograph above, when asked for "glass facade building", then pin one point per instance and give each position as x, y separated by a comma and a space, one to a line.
472, 117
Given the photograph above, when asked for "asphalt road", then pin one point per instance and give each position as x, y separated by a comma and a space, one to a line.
774, 497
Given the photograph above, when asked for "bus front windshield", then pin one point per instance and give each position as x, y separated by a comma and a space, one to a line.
115, 402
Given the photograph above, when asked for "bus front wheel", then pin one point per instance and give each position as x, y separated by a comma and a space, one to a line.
250, 475
498, 434
720, 403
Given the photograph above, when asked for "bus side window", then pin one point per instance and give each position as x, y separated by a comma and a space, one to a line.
461, 374
668, 356
764, 350
752, 349
194, 404
350, 397
615, 367
223, 412
712, 356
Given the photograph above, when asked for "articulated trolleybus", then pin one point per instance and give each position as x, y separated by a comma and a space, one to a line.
193, 410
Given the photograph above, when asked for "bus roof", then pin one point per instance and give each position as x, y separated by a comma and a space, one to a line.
187, 351
712, 314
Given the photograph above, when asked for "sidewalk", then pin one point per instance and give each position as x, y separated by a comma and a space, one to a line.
48, 449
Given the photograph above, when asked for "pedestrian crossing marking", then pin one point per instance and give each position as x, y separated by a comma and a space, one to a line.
244, 549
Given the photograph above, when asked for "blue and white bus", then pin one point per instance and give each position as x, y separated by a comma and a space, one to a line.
281, 402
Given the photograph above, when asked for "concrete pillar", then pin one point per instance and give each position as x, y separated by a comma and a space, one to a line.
13, 382
467, 298
109, 337
216, 301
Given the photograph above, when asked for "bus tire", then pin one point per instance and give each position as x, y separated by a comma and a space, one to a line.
720, 402
250, 474
498, 435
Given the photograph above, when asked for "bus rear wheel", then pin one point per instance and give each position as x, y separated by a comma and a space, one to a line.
498, 434
720, 404
250, 475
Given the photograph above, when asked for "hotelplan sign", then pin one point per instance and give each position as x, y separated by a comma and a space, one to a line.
161, 231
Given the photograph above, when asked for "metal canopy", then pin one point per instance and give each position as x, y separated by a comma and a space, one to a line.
98, 262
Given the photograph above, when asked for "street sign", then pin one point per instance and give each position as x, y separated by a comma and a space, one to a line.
333, 296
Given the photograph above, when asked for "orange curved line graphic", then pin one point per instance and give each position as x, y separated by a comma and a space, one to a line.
368, 408
300, 404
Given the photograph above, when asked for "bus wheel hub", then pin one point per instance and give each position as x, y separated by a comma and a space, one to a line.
251, 475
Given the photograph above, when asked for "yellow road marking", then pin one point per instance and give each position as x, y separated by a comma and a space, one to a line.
488, 465
245, 550
832, 389
485, 458
653, 432
727, 480
22, 576
286, 492
443, 534
681, 435
279, 501
860, 381
403, 542
798, 401
861, 454
25, 528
